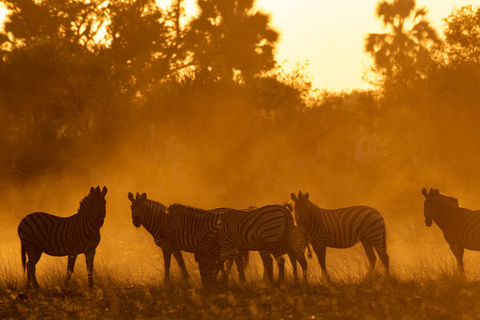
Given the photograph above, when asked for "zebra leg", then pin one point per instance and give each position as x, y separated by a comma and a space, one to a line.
321, 251
240, 266
384, 258
33, 257
70, 266
167, 256
370, 256
303, 263
229, 263
267, 266
293, 261
181, 263
89, 258
458, 253
281, 267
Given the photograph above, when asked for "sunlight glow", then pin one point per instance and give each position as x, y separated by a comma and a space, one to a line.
330, 35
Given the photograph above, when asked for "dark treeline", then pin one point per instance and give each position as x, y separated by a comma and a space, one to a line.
155, 93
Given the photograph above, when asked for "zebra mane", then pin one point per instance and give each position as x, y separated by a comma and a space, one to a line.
451, 201
180, 208
85, 203
155, 204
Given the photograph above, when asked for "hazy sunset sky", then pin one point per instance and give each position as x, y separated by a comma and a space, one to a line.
330, 35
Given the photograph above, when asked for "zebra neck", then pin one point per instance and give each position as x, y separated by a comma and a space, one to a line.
155, 218
86, 220
445, 215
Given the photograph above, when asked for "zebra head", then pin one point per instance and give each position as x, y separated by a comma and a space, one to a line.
96, 205
139, 206
429, 206
436, 203
302, 207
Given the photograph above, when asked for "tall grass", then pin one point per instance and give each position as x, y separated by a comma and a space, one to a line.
424, 285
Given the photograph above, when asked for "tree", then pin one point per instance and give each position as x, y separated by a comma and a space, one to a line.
402, 54
462, 34
229, 39
76, 22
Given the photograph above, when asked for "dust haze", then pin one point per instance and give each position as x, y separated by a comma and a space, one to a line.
212, 141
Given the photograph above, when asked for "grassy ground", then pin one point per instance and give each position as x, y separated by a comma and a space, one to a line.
136, 290
374, 298
129, 285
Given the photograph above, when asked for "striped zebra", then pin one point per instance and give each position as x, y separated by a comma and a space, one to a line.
202, 226
267, 229
300, 241
460, 226
342, 228
41, 232
154, 217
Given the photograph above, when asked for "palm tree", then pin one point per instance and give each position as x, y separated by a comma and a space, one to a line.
403, 52
229, 38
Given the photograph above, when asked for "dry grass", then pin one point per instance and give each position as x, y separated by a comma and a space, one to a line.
421, 287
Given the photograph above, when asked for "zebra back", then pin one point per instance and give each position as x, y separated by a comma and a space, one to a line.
198, 223
265, 228
340, 228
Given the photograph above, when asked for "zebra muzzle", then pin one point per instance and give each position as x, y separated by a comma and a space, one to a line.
428, 221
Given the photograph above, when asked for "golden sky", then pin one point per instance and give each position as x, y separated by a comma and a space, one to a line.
330, 35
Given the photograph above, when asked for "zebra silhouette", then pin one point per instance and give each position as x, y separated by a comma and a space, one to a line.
154, 218
342, 228
460, 226
267, 229
41, 232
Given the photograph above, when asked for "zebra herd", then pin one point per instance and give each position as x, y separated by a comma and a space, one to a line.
223, 236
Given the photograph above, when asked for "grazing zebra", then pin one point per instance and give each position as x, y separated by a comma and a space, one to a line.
267, 229
202, 226
460, 226
154, 217
342, 228
41, 232
300, 241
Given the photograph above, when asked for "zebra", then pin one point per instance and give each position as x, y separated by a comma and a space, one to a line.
300, 241
342, 228
154, 218
202, 226
460, 226
267, 229
41, 232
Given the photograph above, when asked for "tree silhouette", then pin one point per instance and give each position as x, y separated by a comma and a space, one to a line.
76, 22
229, 37
402, 53
462, 34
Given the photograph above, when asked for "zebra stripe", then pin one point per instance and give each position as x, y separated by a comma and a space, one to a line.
41, 232
267, 229
154, 217
342, 228
300, 241
460, 226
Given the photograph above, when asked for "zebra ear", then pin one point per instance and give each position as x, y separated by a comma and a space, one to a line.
130, 197
294, 197
104, 191
424, 192
307, 195
144, 196
92, 190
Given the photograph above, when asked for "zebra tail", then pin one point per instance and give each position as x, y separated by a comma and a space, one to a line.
24, 258
309, 251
